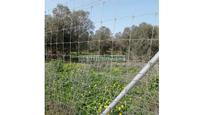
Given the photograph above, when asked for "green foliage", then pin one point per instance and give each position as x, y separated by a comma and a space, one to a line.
66, 26
61, 26
72, 88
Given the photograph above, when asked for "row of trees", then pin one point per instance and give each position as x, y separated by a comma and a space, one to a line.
67, 32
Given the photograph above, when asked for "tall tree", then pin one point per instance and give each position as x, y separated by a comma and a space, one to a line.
103, 35
64, 26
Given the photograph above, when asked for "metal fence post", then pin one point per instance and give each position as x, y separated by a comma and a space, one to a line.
139, 76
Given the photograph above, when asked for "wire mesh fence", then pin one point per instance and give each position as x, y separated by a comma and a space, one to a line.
87, 68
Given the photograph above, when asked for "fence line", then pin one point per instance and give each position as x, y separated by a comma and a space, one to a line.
101, 22
86, 68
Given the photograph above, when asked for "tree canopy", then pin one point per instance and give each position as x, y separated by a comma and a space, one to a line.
69, 31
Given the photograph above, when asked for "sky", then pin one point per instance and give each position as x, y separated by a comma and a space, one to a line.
114, 14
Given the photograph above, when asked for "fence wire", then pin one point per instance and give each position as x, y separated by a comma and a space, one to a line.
87, 68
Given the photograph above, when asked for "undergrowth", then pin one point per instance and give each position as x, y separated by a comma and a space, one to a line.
82, 89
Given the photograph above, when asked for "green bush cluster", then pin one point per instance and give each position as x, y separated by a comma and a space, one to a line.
80, 89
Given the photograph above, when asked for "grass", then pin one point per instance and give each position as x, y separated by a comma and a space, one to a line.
82, 89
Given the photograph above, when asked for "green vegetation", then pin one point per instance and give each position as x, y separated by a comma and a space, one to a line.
82, 89
89, 85
71, 33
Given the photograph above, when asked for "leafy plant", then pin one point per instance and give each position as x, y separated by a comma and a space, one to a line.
82, 89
